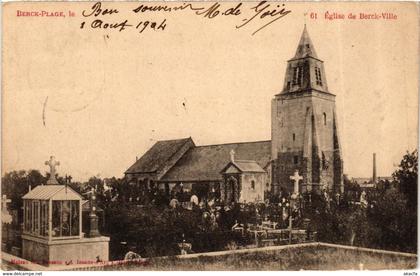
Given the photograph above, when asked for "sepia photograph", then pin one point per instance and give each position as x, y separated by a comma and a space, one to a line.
209, 136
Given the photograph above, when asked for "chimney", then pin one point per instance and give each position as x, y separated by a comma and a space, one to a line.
374, 168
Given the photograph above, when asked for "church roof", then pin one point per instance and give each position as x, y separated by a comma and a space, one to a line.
204, 163
157, 156
305, 47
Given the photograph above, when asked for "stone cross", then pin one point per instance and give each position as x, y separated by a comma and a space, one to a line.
296, 177
52, 164
5, 215
232, 155
4, 202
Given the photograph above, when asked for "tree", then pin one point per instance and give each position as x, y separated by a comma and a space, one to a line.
395, 224
406, 177
15, 185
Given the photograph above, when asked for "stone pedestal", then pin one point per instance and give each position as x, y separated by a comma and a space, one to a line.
93, 220
65, 251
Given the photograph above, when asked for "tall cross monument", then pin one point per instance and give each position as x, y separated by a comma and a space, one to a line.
296, 177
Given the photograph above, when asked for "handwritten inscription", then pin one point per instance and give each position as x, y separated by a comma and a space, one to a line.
97, 10
260, 15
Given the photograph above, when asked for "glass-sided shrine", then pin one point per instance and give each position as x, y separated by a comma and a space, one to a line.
52, 225
52, 212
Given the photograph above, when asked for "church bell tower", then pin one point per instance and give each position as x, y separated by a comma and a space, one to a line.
304, 126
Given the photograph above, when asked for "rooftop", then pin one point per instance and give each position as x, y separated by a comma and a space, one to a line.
204, 163
157, 156
57, 192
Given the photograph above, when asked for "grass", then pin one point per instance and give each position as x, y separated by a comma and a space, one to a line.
317, 257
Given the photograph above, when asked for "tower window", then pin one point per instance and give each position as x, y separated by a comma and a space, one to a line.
295, 75
298, 75
325, 118
318, 76
294, 137
253, 184
295, 159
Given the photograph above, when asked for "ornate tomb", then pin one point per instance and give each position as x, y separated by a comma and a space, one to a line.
52, 228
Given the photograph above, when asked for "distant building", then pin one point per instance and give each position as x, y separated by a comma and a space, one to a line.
205, 169
304, 138
374, 181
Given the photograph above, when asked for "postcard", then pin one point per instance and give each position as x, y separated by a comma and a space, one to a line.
233, 136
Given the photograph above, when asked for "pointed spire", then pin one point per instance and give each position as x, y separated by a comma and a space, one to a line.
305, 47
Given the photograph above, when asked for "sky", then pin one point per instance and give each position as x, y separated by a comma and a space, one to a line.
98, 98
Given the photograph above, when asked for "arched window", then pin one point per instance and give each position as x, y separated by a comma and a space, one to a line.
297, 75
294, 137
325, 118
253, 184
318, 76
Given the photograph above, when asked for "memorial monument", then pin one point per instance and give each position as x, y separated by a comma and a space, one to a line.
52, 232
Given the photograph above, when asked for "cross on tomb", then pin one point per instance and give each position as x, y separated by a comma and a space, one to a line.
296, 177
52, 164
5, 215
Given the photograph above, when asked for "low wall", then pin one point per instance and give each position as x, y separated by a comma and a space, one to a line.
111, 265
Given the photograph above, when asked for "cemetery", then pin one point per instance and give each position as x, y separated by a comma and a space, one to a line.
180, 235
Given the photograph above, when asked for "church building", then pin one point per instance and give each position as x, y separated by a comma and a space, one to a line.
304, 143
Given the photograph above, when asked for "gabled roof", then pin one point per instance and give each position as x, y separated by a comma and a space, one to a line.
57, 192
204, 163
157, 156
305, 47
245, 166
